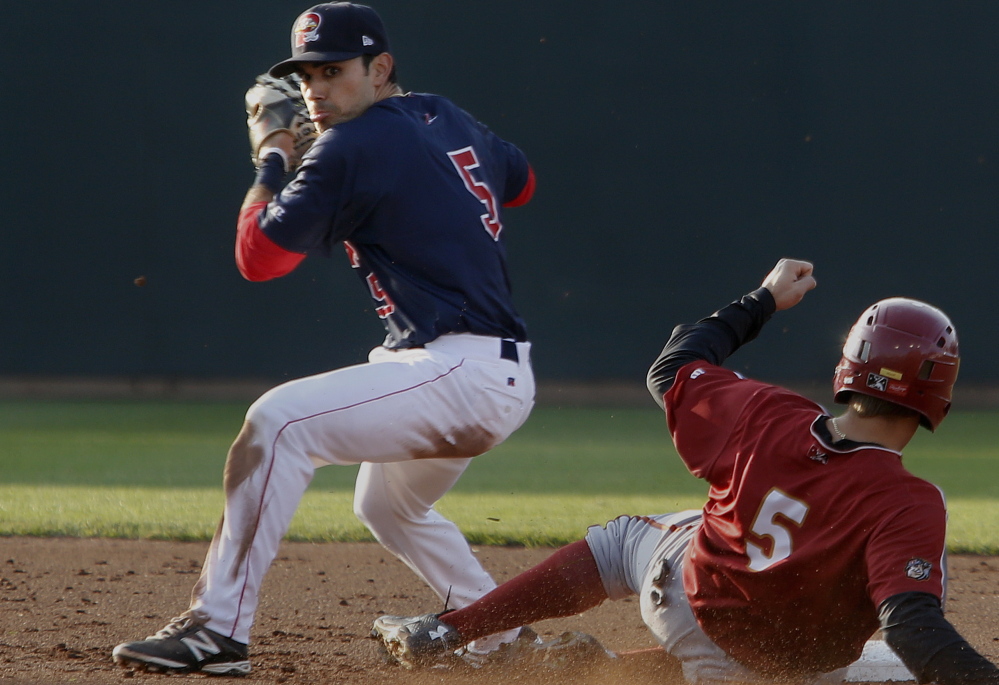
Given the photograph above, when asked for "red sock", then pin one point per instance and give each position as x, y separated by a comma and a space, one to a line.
564, 584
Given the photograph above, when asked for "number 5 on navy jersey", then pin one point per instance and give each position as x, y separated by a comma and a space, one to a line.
464, 161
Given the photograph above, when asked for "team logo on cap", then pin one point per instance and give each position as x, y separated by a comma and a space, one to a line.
918, 569
307, 28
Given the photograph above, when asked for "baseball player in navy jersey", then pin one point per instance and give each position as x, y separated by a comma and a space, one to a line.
411, 188
813, 537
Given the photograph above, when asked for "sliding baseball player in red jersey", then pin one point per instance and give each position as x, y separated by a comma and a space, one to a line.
813, 537
410, 190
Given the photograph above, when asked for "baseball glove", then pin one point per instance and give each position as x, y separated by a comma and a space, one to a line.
276, 104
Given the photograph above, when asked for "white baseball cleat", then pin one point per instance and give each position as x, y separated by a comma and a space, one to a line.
417, 641
428, 642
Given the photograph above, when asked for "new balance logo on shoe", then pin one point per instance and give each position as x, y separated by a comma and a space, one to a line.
201, 645
184, 646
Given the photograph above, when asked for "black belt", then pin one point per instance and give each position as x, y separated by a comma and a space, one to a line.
508, 351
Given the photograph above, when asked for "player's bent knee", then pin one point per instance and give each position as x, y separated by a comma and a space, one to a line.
371, 511
245, 456
381, 516
267, 409
267, 416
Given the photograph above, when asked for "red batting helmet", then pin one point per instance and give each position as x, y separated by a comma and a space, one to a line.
901, 351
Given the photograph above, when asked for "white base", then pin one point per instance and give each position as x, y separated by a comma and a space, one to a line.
878, 664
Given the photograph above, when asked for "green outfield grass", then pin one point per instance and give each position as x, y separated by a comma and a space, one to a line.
153, 470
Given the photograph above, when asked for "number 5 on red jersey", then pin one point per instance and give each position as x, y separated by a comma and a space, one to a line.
768, 525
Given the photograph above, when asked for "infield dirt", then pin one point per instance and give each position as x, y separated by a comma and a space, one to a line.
65, 603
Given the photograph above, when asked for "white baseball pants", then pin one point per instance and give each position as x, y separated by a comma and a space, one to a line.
413, 419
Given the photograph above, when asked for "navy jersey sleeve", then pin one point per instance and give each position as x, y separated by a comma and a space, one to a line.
519, 177
515, 176
301, 218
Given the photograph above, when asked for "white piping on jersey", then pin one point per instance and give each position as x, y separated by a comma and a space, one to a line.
943, 554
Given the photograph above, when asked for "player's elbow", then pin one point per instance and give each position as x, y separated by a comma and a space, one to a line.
257, 271
249, 267
254, 276
259, 258
526, 193
655, 387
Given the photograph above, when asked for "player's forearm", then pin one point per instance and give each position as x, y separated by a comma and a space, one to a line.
257, 256
931, 648
269, 178
712, 339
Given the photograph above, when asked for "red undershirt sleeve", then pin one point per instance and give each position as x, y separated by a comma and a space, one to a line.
258, 257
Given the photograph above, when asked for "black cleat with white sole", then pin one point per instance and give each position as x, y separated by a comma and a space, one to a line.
184, 646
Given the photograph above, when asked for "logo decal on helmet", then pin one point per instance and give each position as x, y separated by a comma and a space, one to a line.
307, 28
899, 389
918, 569
877, 382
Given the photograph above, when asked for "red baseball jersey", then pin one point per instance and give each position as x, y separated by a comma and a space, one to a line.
801, 540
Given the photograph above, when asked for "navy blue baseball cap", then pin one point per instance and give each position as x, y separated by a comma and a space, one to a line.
333, 32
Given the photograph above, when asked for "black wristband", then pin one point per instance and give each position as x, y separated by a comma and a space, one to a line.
270, 173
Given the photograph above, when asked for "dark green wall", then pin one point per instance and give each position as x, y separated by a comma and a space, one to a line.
681, 148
